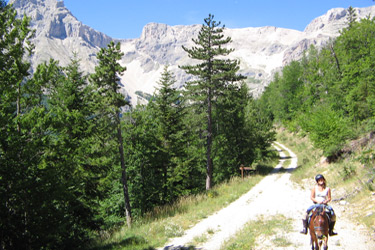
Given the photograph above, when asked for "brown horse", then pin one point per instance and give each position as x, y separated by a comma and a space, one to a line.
319, 228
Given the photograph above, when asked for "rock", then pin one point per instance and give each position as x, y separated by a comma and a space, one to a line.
343, 203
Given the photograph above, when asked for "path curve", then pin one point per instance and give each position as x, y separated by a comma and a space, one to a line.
274, 195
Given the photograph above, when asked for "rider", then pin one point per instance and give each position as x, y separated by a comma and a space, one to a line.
320, 194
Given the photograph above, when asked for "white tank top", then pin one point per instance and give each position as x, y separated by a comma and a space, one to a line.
320, 196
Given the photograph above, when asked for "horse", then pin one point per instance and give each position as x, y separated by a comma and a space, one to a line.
318, 228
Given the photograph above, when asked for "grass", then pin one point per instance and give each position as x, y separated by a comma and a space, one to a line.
166, 222
257, 231
203, 238
200, 239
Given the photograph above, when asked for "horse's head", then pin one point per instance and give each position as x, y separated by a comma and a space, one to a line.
320, 222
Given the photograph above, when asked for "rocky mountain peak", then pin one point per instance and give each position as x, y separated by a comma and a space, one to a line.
47, 3
52, 19
154, 31
329, 23
335, 19
262, 51
36, 8
59, 34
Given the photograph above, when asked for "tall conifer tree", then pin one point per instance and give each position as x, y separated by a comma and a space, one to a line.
109, 102
16, 155
212, 75
169, 113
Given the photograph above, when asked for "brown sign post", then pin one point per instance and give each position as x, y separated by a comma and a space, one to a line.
242, 168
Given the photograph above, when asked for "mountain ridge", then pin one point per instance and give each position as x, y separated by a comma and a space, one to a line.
262, 51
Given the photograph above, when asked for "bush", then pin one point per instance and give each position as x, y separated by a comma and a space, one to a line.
327, 129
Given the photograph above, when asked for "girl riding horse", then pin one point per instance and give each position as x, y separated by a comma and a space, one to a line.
320, 194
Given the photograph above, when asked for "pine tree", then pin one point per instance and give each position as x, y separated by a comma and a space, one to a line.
70, 151
109, 100
156, 154
352, 16
232, 145
17, 156
169, 113
212, 75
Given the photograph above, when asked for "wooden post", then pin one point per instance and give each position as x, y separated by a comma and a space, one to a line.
242, 167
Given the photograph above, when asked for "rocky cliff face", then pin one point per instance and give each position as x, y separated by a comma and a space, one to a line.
59, 34
262, 51
322, 29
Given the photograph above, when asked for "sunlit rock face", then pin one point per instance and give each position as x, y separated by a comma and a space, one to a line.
262, 51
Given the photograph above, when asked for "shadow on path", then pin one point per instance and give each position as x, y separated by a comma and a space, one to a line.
180, 248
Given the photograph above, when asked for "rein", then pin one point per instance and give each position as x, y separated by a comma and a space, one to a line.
319, 228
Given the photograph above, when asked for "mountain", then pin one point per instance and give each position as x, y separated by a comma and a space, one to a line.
261, 50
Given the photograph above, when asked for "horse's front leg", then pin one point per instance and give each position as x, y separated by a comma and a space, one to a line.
325, 245
314, 244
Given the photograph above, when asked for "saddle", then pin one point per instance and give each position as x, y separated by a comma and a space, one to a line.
327, 213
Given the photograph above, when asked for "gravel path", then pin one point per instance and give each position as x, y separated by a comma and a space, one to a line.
274, 195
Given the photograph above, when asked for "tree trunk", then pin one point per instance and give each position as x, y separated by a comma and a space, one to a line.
337, 60
18, 106
209, 141
123, 175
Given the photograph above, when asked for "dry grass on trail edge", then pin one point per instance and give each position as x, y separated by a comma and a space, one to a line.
265, 232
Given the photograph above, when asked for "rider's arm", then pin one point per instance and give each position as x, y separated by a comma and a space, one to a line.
328, 196
312, 196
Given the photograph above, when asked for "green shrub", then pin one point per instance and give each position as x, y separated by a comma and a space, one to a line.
347, 171
327, 129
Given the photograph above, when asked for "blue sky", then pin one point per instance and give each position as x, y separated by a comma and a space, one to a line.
126, 18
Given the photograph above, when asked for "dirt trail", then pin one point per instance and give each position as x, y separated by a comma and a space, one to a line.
274, 195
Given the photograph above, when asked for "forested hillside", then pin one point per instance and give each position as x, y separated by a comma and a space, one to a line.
329, 95
76, 159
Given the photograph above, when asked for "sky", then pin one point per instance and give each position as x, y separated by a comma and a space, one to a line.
126, 18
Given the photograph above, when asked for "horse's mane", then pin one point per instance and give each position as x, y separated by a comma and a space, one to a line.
320, 209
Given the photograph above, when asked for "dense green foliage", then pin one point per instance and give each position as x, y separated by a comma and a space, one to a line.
76, 159
158, 149
330, 92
